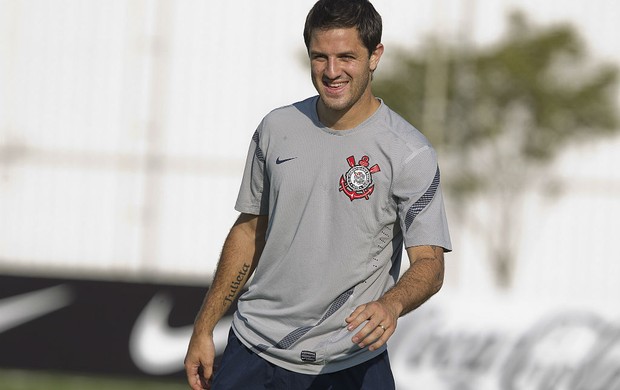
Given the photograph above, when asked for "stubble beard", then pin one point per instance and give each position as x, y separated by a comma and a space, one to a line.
346, 102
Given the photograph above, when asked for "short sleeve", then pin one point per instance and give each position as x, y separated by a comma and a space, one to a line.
417, 190
253, 195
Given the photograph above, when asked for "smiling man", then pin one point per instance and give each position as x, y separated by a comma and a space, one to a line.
335, 187
341, 72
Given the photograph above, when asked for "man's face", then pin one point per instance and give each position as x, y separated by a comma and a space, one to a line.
341, 67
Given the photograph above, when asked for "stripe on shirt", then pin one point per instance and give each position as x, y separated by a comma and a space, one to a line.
259, 152
298, 333
424, 201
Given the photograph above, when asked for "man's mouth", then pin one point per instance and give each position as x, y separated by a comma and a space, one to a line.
334, 86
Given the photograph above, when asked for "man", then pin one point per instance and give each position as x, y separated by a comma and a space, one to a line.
333, 187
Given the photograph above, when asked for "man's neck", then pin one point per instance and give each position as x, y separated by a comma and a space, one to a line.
350, 118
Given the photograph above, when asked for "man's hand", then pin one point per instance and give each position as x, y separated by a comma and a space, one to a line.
423, 279
381, 324
242, 249
199, 361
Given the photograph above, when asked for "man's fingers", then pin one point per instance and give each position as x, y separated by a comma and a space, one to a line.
199, 361
368, 334
205, 372
373, 336
191, 372
379, 325
193, 378
385, 335
198, 376
351, 319
369, 312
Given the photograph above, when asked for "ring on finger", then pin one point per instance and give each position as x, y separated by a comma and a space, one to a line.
382, 327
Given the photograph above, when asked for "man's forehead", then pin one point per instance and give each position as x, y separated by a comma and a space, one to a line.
339, 37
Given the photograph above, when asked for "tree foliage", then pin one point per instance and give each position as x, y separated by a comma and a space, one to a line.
500, 113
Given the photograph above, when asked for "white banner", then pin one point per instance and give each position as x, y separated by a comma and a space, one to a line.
456, 343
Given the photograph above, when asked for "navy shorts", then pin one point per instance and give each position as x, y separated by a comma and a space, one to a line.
240, 368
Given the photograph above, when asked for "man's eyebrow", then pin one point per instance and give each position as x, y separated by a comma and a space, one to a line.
341, 54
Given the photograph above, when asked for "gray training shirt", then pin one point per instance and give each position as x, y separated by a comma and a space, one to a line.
341, 204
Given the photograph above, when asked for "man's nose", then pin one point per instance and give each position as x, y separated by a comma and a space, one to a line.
332, 70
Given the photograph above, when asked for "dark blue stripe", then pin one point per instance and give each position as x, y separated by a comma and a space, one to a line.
259, 152
298, 333
421, 203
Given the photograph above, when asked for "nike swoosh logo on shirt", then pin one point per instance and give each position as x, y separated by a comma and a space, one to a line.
278, 161
156, 348
23, 308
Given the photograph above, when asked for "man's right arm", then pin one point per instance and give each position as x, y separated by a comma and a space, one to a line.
242, 249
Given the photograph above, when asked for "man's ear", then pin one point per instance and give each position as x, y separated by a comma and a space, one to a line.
375, 56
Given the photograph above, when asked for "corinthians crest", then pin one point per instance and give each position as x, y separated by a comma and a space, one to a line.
357, 182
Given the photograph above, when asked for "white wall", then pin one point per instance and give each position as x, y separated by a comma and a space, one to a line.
124, 125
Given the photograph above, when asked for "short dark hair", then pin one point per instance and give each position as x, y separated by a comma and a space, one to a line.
328, 14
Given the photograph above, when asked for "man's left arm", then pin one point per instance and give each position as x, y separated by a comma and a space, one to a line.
422, 280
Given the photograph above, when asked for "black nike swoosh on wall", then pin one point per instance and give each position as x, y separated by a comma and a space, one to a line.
157, 348
20, 309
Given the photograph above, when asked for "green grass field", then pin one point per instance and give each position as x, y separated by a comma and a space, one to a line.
30, 380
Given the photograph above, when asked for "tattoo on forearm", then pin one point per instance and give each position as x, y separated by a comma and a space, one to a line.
234, 285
